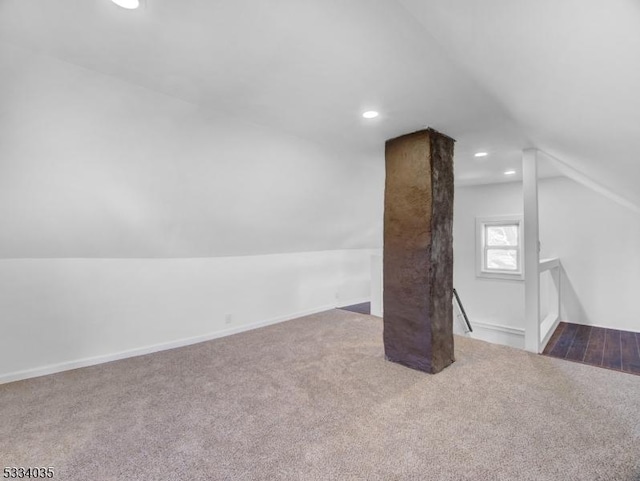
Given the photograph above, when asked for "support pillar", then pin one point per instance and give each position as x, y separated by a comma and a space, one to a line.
418, 251
531, 251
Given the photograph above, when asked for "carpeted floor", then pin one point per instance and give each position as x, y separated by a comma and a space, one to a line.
314, 399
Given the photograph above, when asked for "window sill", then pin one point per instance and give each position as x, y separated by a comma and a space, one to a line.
501, 276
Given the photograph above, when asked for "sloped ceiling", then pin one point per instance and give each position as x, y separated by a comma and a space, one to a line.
567, 73
497, 75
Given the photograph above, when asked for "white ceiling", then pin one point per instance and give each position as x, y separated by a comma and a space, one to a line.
497, 75
567, 72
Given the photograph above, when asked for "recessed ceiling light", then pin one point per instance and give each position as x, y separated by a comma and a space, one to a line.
128, 4
481, 154
370, 114
510, 172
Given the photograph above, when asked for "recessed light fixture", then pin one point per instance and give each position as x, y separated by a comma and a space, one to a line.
370, 114
481, 154
510, 172
128, 4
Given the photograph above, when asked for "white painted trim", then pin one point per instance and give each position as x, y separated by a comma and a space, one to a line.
550, 322
497, 334
92, 361
548, 264
547, 336
516, 331
481, 222
531, 250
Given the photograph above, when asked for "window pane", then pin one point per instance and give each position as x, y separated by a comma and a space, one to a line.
502, 235
502, 259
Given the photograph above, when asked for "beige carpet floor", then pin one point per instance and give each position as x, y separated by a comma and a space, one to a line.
314, 399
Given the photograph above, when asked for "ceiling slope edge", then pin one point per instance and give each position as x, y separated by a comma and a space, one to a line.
580, 177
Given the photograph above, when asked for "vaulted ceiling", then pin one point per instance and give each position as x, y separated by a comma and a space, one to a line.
497, 75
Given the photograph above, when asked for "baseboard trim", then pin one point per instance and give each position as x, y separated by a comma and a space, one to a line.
497, 334
516, 331
92, 361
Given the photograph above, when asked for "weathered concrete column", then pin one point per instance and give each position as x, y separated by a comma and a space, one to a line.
418, 251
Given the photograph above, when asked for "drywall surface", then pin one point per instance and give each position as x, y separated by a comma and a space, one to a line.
595, 238
96, 167
133, 221
489, 301
58, 314
597, 242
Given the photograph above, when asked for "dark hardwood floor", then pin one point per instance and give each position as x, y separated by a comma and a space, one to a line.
364, 308
597, 346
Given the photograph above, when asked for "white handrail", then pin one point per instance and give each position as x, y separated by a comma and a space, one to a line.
548, 264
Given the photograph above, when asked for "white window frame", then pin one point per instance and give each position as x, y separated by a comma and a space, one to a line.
481, 247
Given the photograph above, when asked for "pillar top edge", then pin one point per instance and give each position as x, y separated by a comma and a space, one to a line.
428, 131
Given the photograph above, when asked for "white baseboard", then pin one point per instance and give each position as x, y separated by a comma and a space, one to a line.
498, 334
92, 361
516, 331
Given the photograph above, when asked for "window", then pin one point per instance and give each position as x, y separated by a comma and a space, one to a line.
499, 247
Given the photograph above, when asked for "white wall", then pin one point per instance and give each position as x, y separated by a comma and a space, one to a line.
494, 306
60, 314
596, 239
133, 221
96, 167
598, 242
